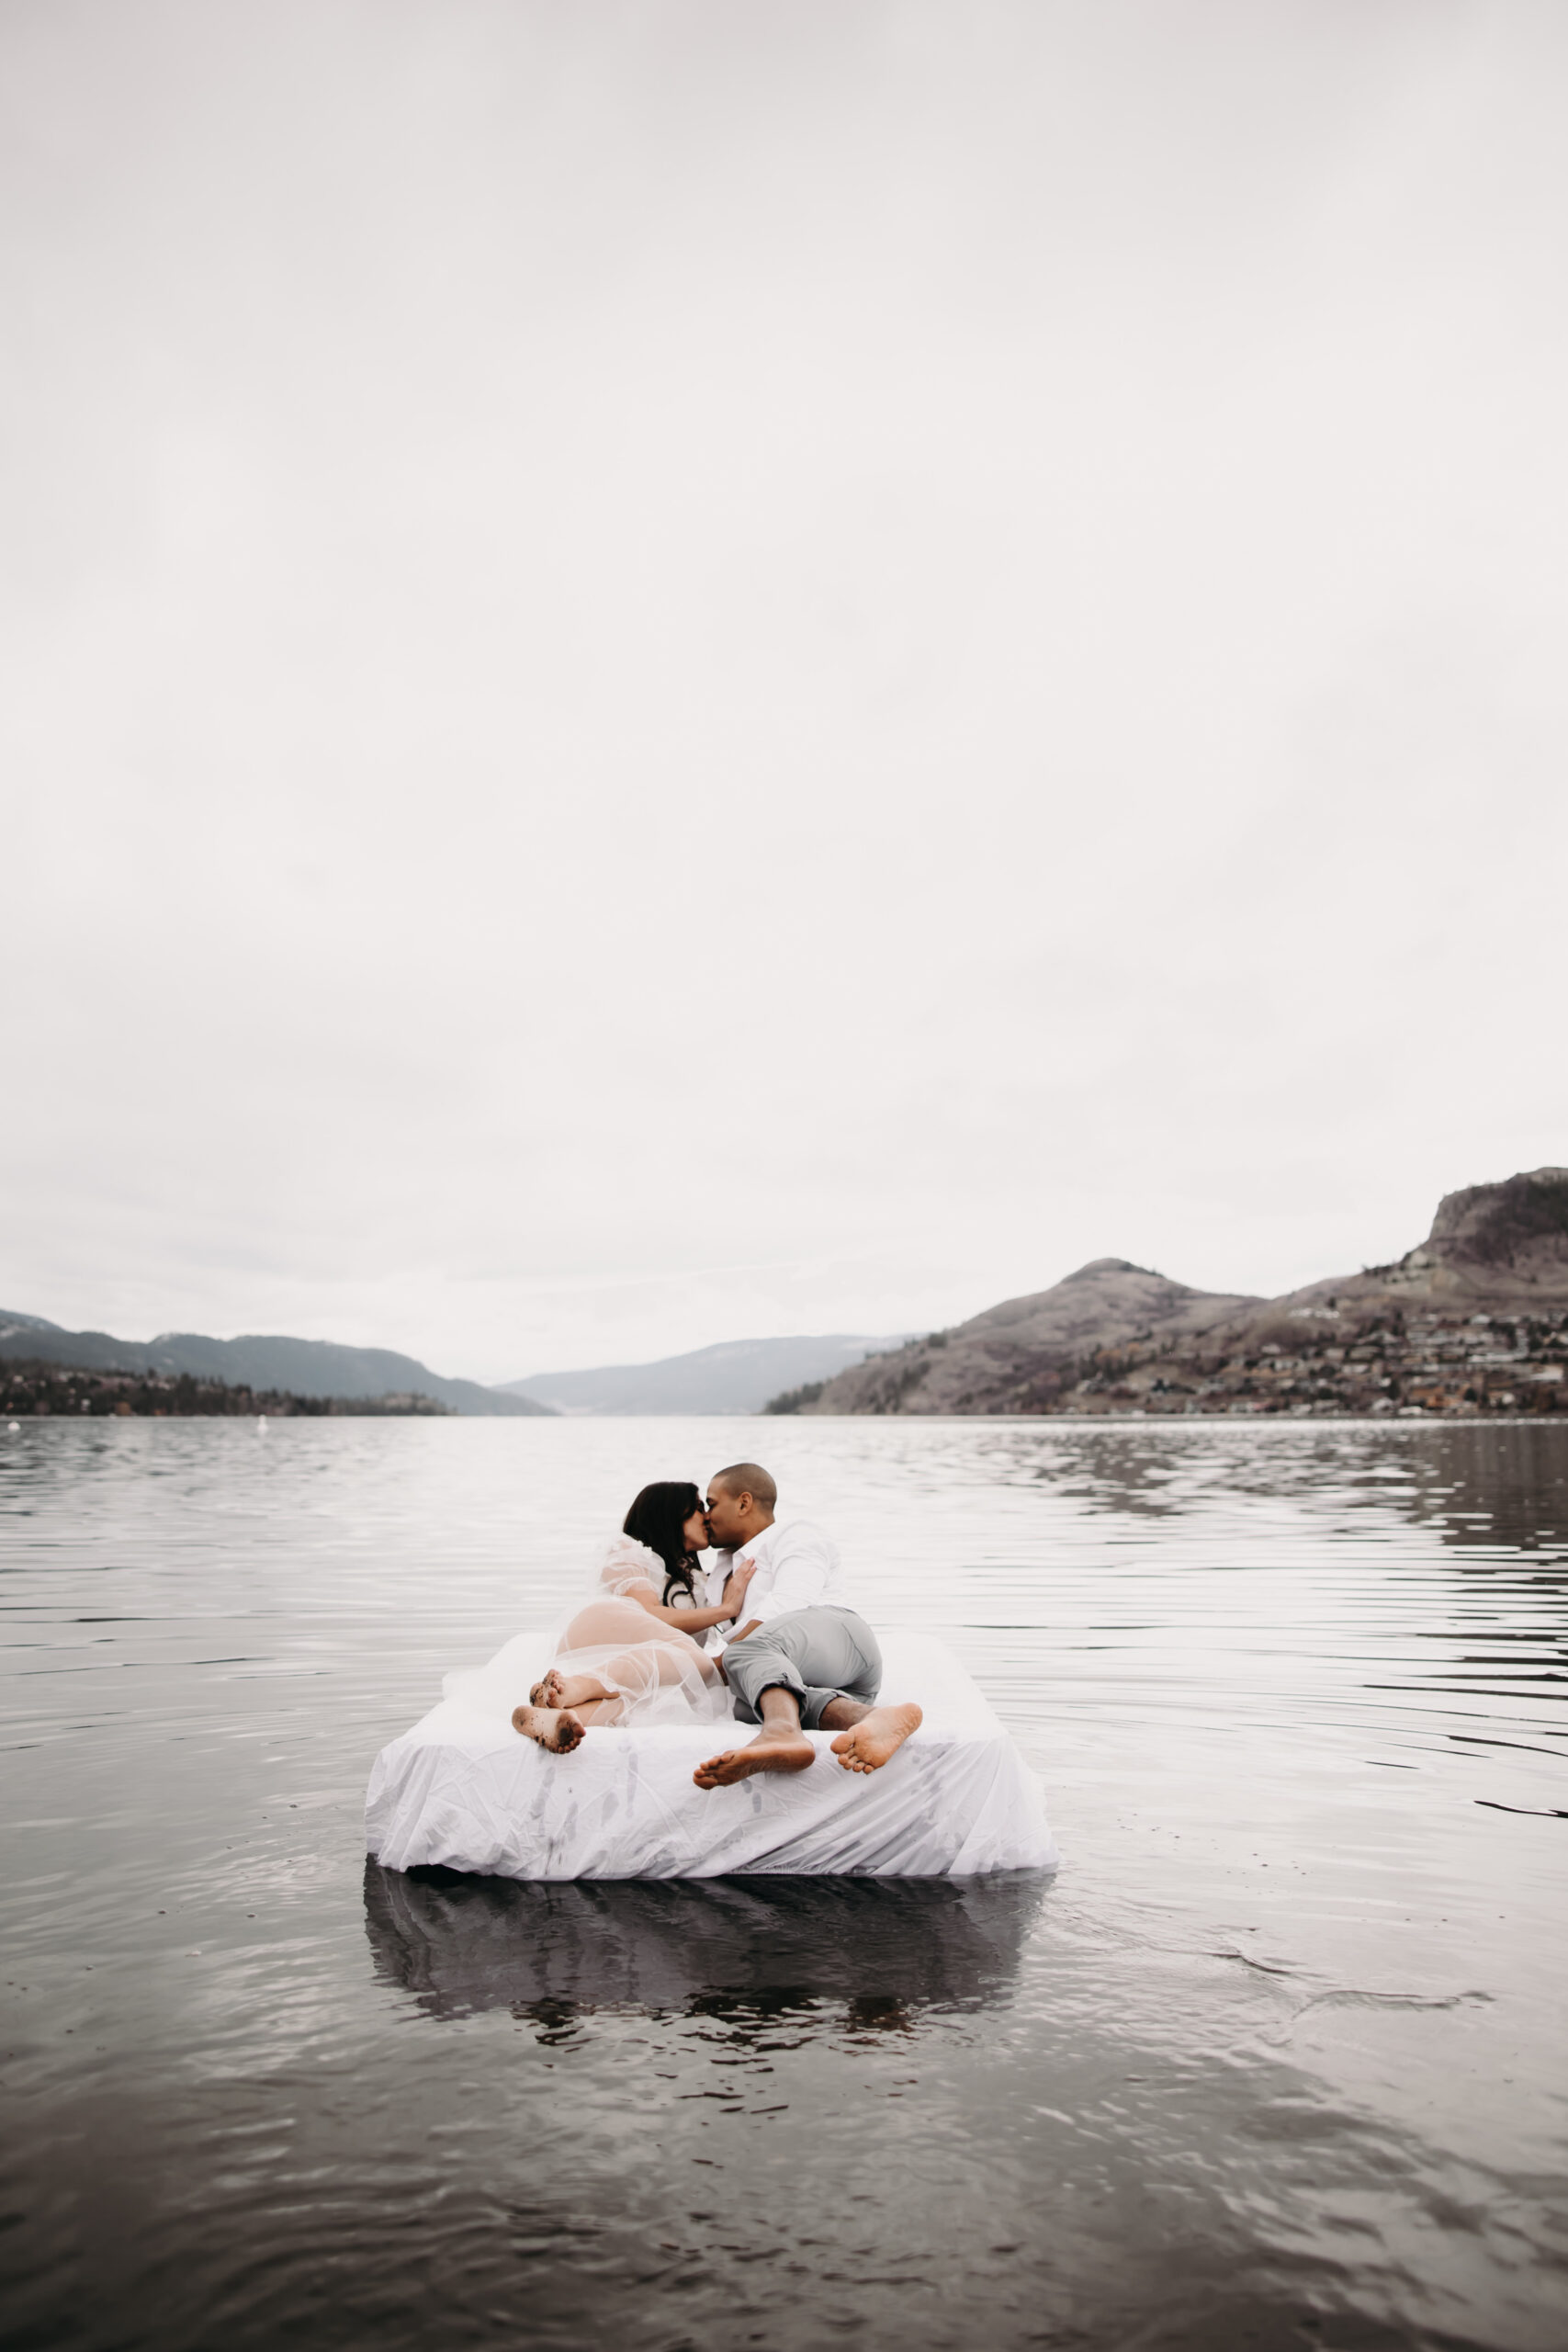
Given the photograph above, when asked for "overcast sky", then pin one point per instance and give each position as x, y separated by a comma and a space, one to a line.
684, 670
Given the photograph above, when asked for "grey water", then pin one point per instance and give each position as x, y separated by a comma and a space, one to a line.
1275, 2059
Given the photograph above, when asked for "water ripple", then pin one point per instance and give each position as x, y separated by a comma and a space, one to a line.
1276, 2060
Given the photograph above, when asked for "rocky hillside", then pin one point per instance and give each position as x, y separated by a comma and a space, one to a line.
1473, 1320
1012, 1358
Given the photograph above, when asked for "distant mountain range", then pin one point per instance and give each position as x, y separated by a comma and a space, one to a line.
305, 1367
736, 1377
1473, 1320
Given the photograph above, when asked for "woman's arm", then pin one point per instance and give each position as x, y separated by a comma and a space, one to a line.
696, 1621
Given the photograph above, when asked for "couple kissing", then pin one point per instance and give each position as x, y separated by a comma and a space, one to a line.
765, 1636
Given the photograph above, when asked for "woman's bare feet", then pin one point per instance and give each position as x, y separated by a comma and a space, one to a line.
771, 1751
560, 1690
552, 1726
867, 1746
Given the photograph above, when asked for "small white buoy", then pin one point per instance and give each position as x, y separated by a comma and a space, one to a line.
16, 1429
261, 1424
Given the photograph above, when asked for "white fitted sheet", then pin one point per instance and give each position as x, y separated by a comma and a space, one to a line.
464, 1790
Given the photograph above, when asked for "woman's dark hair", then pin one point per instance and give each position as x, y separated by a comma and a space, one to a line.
657, 1519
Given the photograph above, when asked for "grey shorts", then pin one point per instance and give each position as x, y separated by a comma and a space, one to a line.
819, 1654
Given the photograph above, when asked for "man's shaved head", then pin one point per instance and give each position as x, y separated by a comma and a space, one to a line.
748, 1478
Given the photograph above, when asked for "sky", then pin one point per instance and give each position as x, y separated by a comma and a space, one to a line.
682, 670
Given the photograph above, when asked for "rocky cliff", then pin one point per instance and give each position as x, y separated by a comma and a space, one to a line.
1473, 1319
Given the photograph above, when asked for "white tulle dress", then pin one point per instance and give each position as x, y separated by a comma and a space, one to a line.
657, 1674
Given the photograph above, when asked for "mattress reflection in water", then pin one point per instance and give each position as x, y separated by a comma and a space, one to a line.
886, 1948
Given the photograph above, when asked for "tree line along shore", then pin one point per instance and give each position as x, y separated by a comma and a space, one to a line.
48, 1389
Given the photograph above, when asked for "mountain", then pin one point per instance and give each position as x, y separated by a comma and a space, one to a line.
993, 1363
1475, 1319
306, 1367
1492, 1247
736, 1377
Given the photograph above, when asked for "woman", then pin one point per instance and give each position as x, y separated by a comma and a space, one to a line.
631, 1656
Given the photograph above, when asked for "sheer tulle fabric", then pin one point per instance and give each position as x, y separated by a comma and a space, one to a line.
655, 1674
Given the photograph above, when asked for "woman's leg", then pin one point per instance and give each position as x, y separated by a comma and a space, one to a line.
604, 1623
617, 1686
636, 1674
611, 1709
610, 1694
622, 1623
671, 1665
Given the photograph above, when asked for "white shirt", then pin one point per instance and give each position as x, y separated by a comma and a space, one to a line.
797, 1568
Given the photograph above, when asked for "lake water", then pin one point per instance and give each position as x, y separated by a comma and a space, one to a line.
1276, 2059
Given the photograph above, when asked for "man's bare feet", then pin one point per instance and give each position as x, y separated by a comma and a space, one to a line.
780, 1752
550, 1693
876, 1736
552, 1726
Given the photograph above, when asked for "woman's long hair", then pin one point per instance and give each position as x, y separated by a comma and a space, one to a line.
657, 1519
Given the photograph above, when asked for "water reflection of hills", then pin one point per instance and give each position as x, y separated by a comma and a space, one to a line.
1476, 1485
1493, 1486
882, 1947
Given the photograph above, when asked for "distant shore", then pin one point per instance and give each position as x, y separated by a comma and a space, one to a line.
46, 1391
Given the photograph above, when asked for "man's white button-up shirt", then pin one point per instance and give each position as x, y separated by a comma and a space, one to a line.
797, 1568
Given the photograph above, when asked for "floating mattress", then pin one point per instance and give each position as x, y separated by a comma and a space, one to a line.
463, 1790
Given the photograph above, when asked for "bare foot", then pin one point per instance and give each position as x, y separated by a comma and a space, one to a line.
769, 1752
560, 1690
875, 1738
552, 1726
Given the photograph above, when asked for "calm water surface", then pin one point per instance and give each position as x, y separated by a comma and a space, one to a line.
1277, 2060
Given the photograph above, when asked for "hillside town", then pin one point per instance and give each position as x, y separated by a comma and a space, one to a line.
1316, 1360
1328, 1359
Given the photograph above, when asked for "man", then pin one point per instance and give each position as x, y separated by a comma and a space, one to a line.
802, 1660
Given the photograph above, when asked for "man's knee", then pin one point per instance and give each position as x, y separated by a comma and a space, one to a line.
764, 1668
748, 1708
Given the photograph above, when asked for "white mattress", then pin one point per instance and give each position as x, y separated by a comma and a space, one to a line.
463, 1790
